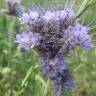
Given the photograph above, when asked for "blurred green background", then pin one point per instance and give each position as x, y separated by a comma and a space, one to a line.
20, 73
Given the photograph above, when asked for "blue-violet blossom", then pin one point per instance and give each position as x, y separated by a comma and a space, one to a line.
56, 33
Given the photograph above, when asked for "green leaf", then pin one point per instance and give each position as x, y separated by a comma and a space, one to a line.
29, 72
82, 7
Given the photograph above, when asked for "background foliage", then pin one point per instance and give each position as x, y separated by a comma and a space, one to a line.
20, 73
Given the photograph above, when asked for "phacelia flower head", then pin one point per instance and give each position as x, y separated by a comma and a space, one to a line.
56, 33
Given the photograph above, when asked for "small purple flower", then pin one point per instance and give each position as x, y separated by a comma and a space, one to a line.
27, 40
81, 36
63, 14
13, 8
57, 88
29, 17
20, 9
86, 45
48, 16
52, 67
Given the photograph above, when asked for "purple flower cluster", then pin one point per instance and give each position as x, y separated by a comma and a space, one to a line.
27, 40
13, 7
81, 36
57, 70
56, 33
